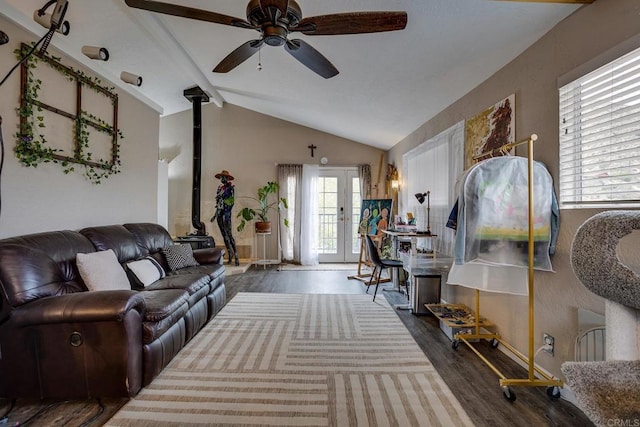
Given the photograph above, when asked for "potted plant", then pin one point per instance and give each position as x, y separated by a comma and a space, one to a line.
263, 225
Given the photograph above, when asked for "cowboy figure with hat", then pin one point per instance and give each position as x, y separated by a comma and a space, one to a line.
225, 198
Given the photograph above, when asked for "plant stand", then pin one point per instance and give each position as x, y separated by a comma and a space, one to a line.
263, 261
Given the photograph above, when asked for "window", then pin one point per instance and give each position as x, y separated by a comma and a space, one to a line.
434, 166
600, 136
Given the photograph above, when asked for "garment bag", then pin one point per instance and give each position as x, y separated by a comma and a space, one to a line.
493, 225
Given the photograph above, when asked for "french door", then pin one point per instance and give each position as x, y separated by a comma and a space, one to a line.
339, 215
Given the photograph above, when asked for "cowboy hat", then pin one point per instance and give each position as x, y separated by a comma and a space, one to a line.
224, 173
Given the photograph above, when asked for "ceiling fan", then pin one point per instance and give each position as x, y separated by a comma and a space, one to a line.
275, 19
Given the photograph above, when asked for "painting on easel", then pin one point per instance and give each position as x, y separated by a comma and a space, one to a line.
374, 216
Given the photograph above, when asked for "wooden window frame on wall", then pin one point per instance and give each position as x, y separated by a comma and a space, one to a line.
77, 117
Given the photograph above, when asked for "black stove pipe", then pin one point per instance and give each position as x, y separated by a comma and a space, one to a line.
196, 95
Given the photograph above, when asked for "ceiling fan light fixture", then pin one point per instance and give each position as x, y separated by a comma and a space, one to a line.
95, 52
275, 35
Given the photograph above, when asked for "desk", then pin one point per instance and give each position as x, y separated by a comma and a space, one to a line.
407, 236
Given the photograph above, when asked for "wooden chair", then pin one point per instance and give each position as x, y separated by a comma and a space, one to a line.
379, 264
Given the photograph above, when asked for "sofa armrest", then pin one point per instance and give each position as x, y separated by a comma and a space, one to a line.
74, 346
79, 307
209, 255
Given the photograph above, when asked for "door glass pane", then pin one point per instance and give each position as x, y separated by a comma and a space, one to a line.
355, 214
328, 221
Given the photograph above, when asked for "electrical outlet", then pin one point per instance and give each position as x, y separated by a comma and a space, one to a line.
548, 343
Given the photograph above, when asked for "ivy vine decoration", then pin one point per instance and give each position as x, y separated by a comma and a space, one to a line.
96, 170
32, 147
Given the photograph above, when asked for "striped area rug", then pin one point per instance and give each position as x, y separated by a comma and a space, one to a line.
298, 360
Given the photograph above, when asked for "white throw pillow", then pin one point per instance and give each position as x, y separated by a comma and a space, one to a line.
146, 271
101, 271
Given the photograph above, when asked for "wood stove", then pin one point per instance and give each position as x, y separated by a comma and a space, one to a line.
199, 238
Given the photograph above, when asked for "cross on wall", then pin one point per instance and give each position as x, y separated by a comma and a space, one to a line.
312, 148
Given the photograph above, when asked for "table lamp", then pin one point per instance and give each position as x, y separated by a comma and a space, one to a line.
421, 198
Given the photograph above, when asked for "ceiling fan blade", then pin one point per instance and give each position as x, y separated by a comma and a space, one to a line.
274, 9
352, 23
311, 58
238, 56
188, 12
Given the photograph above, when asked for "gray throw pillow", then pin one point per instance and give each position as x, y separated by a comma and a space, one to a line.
179, 256
101, 271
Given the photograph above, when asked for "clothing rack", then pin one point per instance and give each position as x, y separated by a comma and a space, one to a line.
548, 381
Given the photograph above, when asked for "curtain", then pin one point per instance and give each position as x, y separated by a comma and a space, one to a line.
290, 187
434, 166
309, 215
364, 173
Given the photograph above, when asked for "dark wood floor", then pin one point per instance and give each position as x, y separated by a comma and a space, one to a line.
473, 383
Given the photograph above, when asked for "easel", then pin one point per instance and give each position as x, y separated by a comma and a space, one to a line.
531, 381
364, 260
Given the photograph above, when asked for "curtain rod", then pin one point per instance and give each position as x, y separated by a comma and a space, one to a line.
507, 147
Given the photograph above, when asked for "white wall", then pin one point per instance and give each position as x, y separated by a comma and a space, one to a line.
44, 198
586, 34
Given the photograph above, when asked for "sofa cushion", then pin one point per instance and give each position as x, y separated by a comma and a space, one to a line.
163, 310
101, 271
179, 257
114, 237
40, 265
214, 271
151, 238
145, 271
185, 279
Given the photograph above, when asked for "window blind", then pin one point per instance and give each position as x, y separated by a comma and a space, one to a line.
600, 136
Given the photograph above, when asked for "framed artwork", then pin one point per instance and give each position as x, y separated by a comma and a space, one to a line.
375, 215
490, 129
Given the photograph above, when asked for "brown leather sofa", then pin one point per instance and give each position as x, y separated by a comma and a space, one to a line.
59, 340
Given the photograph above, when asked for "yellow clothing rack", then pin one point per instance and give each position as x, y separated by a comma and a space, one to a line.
548, 381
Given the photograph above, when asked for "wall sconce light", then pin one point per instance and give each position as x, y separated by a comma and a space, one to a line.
395, 184
4, 38
130, 78
44, 19
421, 198
95, 52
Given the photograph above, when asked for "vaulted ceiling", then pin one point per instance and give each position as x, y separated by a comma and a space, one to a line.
389, 83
